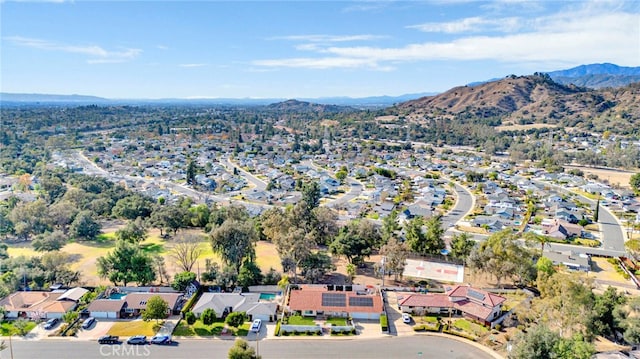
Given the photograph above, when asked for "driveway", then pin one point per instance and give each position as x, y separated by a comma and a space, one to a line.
394, 315
39, 332
98, 329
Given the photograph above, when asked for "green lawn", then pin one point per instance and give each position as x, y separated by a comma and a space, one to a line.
469, 327
7, 328
337, 321
300, 320
135, 327
200, 329
428, 319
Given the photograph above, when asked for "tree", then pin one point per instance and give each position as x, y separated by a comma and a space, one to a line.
351, 272
134, 231
182, 280
234, 241
634, 181
542, 342
461, 245
249, 274
395, 257
315, 266
191, 318
311, 195
191, 173
84, 226
242, 350
603, 320
49, 241
502, 256
293, 248
545, 266
126, 263
208, 316
390, 226
356, 241
132, 207
157, 308
70, 317
186, 251
236, 319
596, 211
168, 217
21, 326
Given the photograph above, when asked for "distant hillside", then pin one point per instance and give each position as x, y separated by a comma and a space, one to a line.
25, 97
304, 106
597, 75
533, 99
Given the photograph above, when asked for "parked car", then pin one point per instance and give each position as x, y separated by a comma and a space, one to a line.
161, 339
51, 323
256, 325
109, 339
88, 322
137, 339
406, 318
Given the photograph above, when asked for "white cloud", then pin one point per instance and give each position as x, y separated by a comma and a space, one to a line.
575, 36
191, 65
471, 24
328, 38
96, 53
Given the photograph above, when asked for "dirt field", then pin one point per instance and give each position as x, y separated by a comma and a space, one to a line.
614, 177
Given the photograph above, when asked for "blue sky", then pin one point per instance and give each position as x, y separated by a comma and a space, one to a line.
300, 49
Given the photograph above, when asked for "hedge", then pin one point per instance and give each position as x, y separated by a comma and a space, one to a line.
384, 324
191, 302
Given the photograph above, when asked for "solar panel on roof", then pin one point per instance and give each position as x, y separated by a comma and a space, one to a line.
475, 295
360, 301
334, 300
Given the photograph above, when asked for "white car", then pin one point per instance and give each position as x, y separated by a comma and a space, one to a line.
256, 325
406, 318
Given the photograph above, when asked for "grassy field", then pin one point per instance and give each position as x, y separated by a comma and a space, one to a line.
136, 327
85, 253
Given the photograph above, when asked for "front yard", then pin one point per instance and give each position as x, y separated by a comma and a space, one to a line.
136, 327
217, 328
7, 328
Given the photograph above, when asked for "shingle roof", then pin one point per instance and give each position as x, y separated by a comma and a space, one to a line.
106, 305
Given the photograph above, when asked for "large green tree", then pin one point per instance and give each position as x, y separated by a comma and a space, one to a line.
157, 308
242, 350
125, 264
356, 241
634, 181
234, 241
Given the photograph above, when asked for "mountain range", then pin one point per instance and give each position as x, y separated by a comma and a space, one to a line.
534, 99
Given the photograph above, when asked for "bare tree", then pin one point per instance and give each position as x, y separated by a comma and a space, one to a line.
186, 251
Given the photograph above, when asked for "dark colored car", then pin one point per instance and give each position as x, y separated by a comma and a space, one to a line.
161, 339
109, 339
88, 322
137, 339
51, 323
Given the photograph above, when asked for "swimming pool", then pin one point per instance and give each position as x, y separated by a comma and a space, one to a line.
117, 296
267, 296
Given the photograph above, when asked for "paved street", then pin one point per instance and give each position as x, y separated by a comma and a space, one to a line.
415, 346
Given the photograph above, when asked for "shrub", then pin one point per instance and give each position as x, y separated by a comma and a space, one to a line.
285, 333
236, 319
209, 316
190, 317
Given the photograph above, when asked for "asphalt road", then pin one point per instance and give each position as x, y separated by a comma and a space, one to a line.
417, 346
463, 206
259, 185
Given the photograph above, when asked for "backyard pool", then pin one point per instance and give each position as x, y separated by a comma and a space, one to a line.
117, 296
267, 296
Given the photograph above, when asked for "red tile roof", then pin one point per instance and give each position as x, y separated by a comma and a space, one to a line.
479, 303
310, 298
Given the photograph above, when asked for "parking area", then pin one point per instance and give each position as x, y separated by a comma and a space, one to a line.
394, 316
39, 332
98, 329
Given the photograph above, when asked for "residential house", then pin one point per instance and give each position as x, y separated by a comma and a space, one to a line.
571, 260
107, 308
137, 302
470, 302
225, 303
41, 304
561, 229
358, 302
